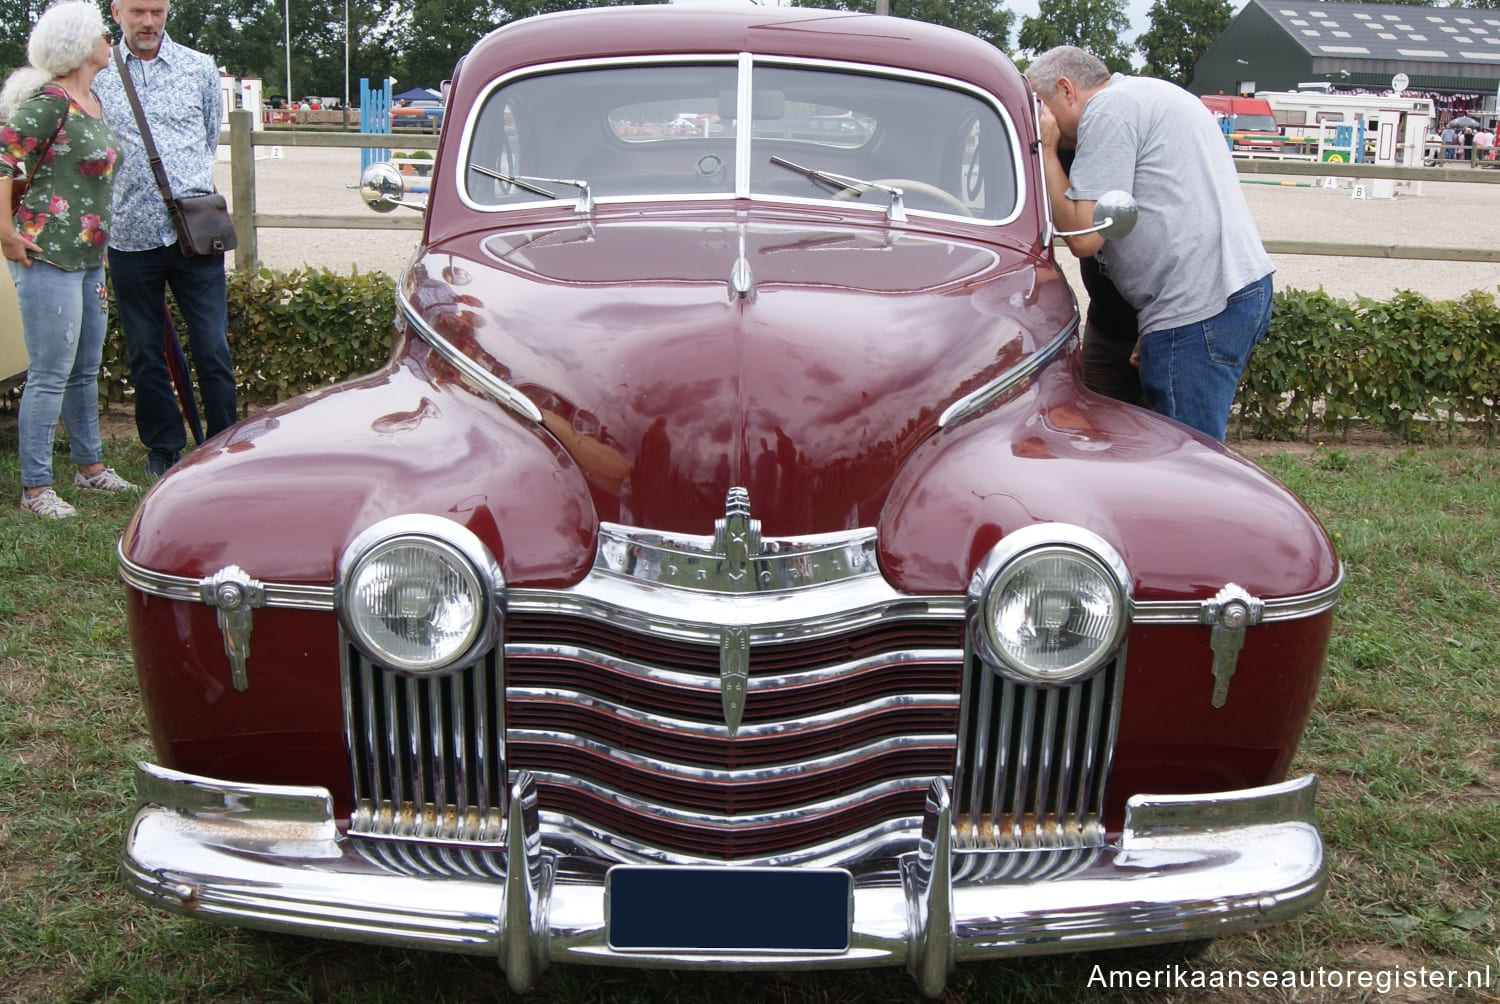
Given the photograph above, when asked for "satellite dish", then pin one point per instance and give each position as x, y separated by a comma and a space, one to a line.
1399, 82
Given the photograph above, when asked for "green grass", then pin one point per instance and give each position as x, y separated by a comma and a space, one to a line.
1405, 738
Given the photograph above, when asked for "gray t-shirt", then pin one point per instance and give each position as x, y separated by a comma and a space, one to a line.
1194, 242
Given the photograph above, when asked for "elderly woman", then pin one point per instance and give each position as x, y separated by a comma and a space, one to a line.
54, 245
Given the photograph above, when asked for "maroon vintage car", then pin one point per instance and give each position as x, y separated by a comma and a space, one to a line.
729, 567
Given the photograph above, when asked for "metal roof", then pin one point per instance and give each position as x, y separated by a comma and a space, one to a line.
1390, 31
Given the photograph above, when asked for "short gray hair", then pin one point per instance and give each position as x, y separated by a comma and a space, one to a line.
1085, 70
60, 41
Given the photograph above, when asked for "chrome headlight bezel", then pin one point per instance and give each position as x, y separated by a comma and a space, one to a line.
1022, 551
457, 549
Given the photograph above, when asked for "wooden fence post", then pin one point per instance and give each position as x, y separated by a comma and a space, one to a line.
242, 187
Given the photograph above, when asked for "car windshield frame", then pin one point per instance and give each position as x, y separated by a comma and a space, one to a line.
741, 169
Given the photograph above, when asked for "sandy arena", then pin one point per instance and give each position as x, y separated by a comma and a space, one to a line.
1429, 214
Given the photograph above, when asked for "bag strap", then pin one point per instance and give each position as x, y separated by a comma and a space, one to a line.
157, 168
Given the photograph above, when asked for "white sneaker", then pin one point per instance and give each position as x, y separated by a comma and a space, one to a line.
104, 481
46, 503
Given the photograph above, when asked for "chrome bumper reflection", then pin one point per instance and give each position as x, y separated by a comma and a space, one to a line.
1186, 867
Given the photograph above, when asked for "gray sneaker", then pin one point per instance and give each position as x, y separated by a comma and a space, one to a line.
104, 481
46, 503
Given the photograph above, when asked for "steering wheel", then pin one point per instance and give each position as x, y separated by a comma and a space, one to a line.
948, 200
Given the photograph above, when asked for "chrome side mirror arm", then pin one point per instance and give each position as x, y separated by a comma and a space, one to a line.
1114, 216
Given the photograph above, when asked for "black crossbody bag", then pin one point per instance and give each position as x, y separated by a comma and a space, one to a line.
202, 221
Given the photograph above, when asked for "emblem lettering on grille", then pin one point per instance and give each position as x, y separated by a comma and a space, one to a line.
734, 674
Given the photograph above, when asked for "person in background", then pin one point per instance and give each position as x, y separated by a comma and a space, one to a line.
179, 92
1194, 266
54, 246
1449, 136
1109, 328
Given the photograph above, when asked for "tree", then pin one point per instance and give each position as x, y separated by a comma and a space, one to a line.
984, 19
16, 19
1093, 25
1181, 31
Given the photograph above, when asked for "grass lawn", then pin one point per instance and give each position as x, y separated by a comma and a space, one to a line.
1405, 739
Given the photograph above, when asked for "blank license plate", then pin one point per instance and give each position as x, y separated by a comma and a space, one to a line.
728, 909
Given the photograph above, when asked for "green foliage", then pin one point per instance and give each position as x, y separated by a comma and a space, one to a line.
1092, 25
1180, 32
288, 332
1408, 366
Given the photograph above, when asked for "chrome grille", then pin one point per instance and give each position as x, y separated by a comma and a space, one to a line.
428, 755
1033, 761
625, 735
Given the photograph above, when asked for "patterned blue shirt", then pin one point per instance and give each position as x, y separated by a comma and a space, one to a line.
179, 91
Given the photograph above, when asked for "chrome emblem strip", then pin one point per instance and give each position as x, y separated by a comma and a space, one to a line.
736, 558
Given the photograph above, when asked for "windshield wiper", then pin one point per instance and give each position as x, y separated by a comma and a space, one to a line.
895, 212
521, 181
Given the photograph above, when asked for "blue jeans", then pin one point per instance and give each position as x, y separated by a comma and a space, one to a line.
62, 322
140, 280
1191, 373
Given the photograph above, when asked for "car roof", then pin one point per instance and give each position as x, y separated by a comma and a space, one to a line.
663, 29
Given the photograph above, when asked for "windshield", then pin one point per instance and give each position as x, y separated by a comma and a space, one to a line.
1255, 123
674, 130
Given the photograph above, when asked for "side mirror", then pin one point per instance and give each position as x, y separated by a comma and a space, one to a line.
382, 189
1114, 217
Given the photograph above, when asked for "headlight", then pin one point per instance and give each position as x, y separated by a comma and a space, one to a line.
418, 594
1050, 603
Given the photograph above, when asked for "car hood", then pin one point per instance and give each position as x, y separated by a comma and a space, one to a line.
675, 360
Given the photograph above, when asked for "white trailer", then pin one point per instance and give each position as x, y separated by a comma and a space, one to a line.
1343, 128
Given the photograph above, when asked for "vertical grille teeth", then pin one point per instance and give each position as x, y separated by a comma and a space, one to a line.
1032, 762
428, 753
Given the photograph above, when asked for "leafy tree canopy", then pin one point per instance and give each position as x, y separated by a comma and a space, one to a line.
1181, 31
1092, 25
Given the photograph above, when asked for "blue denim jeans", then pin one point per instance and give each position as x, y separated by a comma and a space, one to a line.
1191, 373
62, 322
140, 280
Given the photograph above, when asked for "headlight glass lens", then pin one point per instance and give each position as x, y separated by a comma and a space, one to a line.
1054, 615
414, 604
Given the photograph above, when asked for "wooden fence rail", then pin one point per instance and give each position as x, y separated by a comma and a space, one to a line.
242, 140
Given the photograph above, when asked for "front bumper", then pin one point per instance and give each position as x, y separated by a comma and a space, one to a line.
1185, 867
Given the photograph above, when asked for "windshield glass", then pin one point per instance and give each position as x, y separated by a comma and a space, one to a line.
662, 130
1255, 123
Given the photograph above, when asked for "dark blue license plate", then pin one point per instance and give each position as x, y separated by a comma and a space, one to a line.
728, 909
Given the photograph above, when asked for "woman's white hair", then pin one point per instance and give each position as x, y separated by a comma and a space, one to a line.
61, 40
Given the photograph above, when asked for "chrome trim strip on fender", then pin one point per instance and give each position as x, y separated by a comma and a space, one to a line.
1285, 608
840, 606
189, 589
1012, 378
482, 378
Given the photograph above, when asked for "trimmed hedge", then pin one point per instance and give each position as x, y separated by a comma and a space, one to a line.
1407, 366
288, 332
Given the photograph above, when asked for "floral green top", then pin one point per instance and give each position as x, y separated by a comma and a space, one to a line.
65, 211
